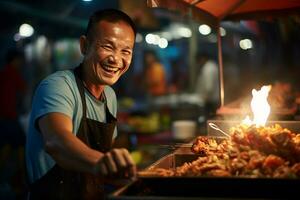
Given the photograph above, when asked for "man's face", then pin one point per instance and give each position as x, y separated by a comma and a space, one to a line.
109, 51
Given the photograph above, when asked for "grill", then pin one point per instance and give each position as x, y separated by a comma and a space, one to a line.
208, 187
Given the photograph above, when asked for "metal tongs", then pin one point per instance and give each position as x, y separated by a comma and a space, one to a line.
214, 126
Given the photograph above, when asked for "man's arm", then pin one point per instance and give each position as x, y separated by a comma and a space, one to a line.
71, 153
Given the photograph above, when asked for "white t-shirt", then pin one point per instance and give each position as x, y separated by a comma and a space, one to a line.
207, 85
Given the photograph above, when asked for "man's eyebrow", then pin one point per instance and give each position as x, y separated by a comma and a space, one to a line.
108, 41
113, 44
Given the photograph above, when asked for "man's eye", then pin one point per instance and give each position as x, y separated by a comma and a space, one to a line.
126, 52
107, 47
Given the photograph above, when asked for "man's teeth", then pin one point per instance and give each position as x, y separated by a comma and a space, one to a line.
109, 68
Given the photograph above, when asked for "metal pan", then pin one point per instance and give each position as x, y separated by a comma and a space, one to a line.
212, 187
147, 187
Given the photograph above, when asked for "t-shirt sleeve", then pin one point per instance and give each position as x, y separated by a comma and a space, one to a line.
53, 95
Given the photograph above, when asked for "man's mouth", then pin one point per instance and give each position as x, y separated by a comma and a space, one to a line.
111, 69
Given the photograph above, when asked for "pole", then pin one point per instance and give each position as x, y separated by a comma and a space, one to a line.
221, 74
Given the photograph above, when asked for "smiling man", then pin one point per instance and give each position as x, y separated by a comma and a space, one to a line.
73, 120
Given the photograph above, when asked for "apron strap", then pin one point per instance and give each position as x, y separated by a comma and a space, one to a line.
78, 78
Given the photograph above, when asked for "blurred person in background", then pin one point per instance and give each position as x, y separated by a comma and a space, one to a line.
13, 88
178, 77
156, 83
207, 83
69, 152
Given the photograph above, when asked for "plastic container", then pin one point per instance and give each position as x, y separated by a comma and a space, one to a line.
184, 129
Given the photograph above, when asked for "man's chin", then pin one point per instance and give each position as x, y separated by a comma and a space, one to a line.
108, 82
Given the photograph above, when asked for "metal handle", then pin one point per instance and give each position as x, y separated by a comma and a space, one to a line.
214, 126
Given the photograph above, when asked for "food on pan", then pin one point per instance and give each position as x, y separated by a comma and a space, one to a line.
271, 152
269, 140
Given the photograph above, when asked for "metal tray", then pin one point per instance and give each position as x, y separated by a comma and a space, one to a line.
189, 188
208, 188
204, 187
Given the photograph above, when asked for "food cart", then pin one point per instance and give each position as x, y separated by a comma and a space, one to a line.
210, 187
180, 175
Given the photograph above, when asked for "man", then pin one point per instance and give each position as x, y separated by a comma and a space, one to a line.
207, 83
72, 123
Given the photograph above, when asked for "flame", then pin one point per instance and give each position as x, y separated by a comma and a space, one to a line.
259, 106
247, 121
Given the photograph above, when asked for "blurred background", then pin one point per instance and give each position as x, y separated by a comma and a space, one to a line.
177, 53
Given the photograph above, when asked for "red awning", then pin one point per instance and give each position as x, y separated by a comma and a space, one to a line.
214, 11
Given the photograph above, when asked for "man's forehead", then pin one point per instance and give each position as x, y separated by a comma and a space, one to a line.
107, 28
118, 23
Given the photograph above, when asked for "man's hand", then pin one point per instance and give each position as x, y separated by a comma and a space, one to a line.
116, 163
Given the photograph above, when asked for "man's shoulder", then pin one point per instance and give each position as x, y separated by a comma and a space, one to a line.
55, 94
59, 77
61, 74
58, 82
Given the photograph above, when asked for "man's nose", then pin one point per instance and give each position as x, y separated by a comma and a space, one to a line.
115, 58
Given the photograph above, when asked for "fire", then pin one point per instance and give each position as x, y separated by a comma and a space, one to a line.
259, 106
247, 121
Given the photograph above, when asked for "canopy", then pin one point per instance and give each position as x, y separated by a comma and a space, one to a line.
214, 11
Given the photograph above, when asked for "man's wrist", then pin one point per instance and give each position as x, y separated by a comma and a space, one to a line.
96, 165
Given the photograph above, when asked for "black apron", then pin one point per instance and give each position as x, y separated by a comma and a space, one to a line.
59, 183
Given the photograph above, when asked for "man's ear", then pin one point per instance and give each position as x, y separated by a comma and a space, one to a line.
84, 43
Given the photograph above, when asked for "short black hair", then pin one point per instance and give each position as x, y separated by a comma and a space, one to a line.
110, 15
